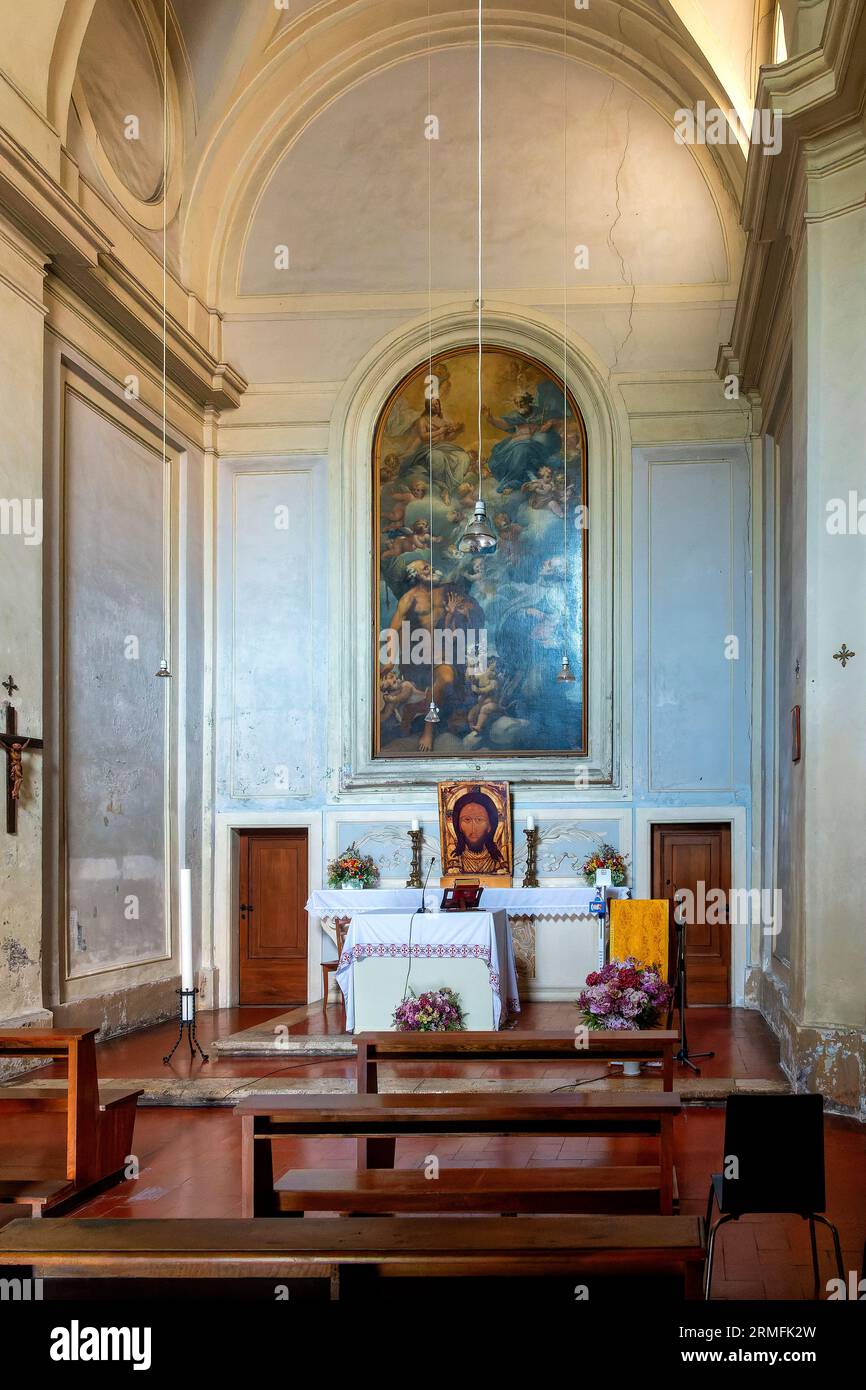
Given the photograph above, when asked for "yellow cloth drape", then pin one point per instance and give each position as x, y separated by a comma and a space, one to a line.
639, 928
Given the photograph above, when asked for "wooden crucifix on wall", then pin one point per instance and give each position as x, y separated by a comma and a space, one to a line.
15, 746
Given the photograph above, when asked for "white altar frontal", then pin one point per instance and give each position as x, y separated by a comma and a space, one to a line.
555, 938
387, 956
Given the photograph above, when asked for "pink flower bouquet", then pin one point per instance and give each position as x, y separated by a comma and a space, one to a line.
624, 995
437, 1011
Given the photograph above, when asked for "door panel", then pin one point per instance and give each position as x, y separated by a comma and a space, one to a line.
688, 856
272, 929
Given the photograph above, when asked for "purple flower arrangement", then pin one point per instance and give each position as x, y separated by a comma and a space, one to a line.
437, 1011
624, 995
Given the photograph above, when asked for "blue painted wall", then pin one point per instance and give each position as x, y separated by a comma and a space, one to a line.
689, 569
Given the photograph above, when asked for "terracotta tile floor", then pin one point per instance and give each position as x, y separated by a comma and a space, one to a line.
190, 1158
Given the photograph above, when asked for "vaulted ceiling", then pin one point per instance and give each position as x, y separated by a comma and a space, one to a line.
339, 80
302, 125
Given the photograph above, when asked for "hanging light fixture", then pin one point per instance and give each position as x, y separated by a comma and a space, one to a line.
565, 672
479, 538
432, 386
164, 671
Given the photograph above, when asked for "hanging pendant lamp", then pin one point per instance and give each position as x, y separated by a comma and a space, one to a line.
432, 715
479, 538
565, 673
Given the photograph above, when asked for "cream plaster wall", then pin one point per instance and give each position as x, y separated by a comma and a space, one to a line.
834, 964
21, 345
349, 196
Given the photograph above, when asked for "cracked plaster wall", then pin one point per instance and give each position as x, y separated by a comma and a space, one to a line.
21, 625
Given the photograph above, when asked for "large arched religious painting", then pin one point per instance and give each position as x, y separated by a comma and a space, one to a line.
483, 636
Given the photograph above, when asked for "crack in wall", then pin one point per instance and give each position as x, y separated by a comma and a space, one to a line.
627, 277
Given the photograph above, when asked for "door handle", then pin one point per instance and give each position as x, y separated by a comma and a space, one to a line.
246, 907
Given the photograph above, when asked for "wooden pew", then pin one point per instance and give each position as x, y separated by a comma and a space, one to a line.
503, 1191
651, 1044
99, 1119
388, 1247
378, 1121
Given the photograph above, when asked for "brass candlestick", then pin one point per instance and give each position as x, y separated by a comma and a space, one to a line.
414, 880
530, 878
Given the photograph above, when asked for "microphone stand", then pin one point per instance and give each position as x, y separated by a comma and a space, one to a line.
683, 1056
422, 908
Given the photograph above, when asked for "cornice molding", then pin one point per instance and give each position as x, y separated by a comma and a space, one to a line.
822, 95
135, 313
82, 255
44, 212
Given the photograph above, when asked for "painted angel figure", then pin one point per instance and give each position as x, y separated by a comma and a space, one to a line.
433, 452
532, 444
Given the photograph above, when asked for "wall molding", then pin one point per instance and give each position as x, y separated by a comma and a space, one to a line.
355, 772
75, 984
552, 818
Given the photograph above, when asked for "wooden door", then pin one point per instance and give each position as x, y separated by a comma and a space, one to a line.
689, 856
273, 923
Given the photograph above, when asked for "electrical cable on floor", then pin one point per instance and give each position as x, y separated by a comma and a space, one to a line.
289, 1066
571, 1084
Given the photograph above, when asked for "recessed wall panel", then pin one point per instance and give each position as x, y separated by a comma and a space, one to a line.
114, 707
275, 656
690, 622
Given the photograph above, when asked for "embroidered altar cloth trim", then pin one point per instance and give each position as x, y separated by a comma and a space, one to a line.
483, 936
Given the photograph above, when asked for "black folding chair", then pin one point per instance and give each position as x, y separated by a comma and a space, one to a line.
774, 1162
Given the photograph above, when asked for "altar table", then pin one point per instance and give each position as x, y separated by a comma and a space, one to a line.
471, 952
556, 939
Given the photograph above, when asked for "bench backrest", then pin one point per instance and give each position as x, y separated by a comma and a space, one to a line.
78, 1046
333, 1109
42, 1042
508, 1044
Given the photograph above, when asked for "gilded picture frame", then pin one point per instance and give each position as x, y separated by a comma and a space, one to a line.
481, 637
475, 833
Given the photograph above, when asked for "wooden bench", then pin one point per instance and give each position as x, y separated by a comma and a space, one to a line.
389, 1247
651, 1044
378, 1121
504, 1191
99, 1120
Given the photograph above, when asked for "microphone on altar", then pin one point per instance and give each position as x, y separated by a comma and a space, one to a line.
422, 908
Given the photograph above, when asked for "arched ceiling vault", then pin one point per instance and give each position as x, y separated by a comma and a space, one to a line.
254, 87
630, 43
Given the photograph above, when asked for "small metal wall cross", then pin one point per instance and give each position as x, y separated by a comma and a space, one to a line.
843, 655
14, 745
9, 684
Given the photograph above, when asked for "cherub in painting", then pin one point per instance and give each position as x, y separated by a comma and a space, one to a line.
543, 492
416, 537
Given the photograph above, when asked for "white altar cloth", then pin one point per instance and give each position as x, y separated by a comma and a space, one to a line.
568, 901
469, 951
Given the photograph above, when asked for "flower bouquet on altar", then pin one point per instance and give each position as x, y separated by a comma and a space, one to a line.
436, 1011
606, 857
352, 869
624, 995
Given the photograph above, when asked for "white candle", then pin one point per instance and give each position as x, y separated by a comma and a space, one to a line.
530, 822
415, 823
186, 964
